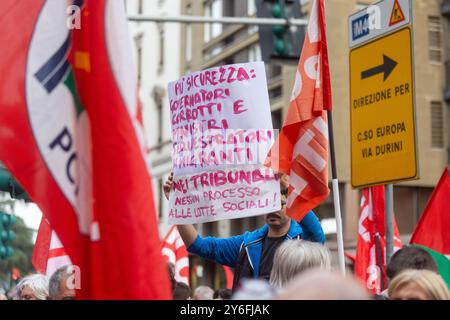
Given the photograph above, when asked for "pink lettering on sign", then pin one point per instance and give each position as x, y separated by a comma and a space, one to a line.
205, 211
238, 107
245, 205
237, 193
220, 177
197, 98
187, 200
180, 213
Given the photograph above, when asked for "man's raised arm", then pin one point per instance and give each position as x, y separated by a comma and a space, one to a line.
187, 231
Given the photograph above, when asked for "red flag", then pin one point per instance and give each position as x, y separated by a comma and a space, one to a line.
174, 250
433, 229
301, 149
371, 244
229, 276
70, 134
48, 254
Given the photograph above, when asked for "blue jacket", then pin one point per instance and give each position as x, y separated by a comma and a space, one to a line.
225, 251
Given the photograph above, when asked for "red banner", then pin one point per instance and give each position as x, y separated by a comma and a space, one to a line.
70, 134
301, 149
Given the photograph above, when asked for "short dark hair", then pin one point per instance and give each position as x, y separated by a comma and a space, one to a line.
410, 257
224, 294
181, 291
54, 284
171, 271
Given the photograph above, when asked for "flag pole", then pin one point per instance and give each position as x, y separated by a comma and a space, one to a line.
389, 213
336, 198
379, 260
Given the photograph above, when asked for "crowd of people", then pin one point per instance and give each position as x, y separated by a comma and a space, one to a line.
302, 271
40, 287
284, 259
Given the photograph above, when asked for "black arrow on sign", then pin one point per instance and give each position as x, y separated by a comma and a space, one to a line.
387, 67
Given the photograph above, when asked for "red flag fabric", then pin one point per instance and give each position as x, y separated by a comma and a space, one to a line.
48, 254
433, 229
174, 250
229, 276
371, 244
301, 148
15, 274
70, 134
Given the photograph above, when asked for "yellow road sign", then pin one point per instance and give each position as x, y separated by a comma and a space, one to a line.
383, 133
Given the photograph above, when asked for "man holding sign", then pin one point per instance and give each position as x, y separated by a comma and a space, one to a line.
221, 134
251, 254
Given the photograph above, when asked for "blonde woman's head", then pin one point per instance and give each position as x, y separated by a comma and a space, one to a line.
295, 256
418, 285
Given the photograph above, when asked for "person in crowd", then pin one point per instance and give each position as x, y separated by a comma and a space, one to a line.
316, 284
251, 254
222, 294
410, 257
295, 256
33, 287
203, 293
254, 289
181, 291
171, 271
60, 285
418, 285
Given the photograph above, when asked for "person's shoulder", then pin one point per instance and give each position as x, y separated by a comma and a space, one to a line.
295, 230
254, 235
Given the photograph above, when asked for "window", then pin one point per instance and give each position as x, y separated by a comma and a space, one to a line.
138, 43
212, 9
277, 121
437, 125
435, 39
188, 36
161, 47
158, 96
273, 71
275, 93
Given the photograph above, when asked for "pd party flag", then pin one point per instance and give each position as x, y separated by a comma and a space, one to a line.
70, 134
370, 260
432, 232
301, 149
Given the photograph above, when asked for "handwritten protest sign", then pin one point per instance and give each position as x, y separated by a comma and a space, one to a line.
221, 134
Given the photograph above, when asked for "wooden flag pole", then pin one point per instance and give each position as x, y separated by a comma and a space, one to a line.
336, 199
